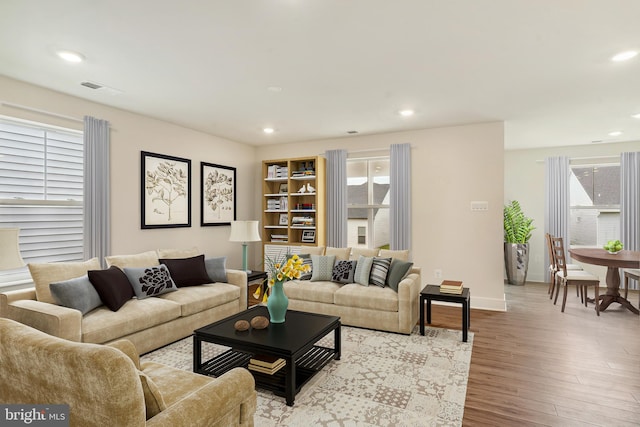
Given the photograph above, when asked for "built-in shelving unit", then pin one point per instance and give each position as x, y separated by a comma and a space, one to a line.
293, 201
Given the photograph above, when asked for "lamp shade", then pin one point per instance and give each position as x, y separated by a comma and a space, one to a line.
244, 231
9, 249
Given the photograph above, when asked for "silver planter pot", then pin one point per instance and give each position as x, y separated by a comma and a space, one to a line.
516, 262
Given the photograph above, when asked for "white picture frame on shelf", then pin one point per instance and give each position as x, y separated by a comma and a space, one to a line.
284, 219
308, 236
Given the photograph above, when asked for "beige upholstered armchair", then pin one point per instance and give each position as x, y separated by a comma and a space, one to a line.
105, 385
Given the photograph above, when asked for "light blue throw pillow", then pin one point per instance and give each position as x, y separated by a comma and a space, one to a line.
77, 293
216, 268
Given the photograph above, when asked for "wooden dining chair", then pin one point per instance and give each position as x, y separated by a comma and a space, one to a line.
630, 273
553, 267
580, 279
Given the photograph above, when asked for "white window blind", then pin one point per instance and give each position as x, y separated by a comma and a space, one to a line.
41, 185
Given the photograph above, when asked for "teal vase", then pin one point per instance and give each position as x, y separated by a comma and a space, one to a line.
277, 303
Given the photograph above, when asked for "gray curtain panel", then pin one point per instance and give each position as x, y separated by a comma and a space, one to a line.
336, 198
630, 203
97, 223
400, 214
556, 198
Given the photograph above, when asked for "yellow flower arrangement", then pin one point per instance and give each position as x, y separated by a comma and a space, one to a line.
281, 269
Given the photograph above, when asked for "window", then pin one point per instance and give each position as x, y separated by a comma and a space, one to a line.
41, 188
595, 204
368, 193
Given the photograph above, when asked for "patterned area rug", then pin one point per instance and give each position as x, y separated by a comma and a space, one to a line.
382, 379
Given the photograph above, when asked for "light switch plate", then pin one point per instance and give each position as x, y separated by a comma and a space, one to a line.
479, 206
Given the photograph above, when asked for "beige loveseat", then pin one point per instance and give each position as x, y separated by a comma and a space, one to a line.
148, 323
371, 306
108, 386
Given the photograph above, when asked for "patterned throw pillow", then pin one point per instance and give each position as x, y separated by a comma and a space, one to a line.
379, 270
150, 281
363, 270
343, 271
322, 267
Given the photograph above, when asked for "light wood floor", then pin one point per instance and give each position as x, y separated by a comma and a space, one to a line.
536, 366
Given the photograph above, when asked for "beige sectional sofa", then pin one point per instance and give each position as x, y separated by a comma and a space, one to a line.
373, 307
148, 323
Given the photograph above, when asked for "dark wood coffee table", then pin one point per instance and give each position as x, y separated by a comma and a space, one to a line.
294, 341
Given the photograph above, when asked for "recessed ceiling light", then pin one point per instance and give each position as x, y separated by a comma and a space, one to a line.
615, 133
274, 89
624, 56
636, 116
406, 113
268, 130
70, 56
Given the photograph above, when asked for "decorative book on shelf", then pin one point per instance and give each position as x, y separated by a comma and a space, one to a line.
451, 287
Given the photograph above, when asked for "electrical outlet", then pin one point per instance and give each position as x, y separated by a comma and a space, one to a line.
437, 273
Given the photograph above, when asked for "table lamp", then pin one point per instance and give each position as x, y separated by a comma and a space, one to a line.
244, 231
9, 249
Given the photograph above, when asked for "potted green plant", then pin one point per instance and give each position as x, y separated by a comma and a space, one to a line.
517, 232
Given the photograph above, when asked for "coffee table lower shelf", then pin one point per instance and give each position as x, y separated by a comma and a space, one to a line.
307, 365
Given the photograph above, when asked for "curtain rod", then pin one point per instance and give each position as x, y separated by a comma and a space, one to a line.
37, 110
587, 158
369, 150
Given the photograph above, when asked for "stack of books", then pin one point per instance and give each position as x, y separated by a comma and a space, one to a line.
451, 287
273, 204
279, 238
301, 173
266, 364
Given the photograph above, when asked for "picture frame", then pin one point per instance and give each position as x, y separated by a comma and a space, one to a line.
217, 194
308, 236
284, 219
284, 188
165, 196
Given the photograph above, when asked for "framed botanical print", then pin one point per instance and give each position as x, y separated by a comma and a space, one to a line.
165, 191
218, 194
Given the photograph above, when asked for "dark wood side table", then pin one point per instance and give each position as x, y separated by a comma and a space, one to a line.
254, 279
432, 292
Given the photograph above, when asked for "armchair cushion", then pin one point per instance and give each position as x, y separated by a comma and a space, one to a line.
153, 401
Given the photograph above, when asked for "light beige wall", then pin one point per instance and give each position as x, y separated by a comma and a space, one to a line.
130, 134
524, 181
451, 167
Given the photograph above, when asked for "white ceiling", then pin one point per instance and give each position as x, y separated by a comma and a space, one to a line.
542, 66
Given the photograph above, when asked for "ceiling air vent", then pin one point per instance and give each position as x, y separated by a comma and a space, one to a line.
91, 85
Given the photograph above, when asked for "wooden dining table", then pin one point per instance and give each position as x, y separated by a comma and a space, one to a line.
613, 262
